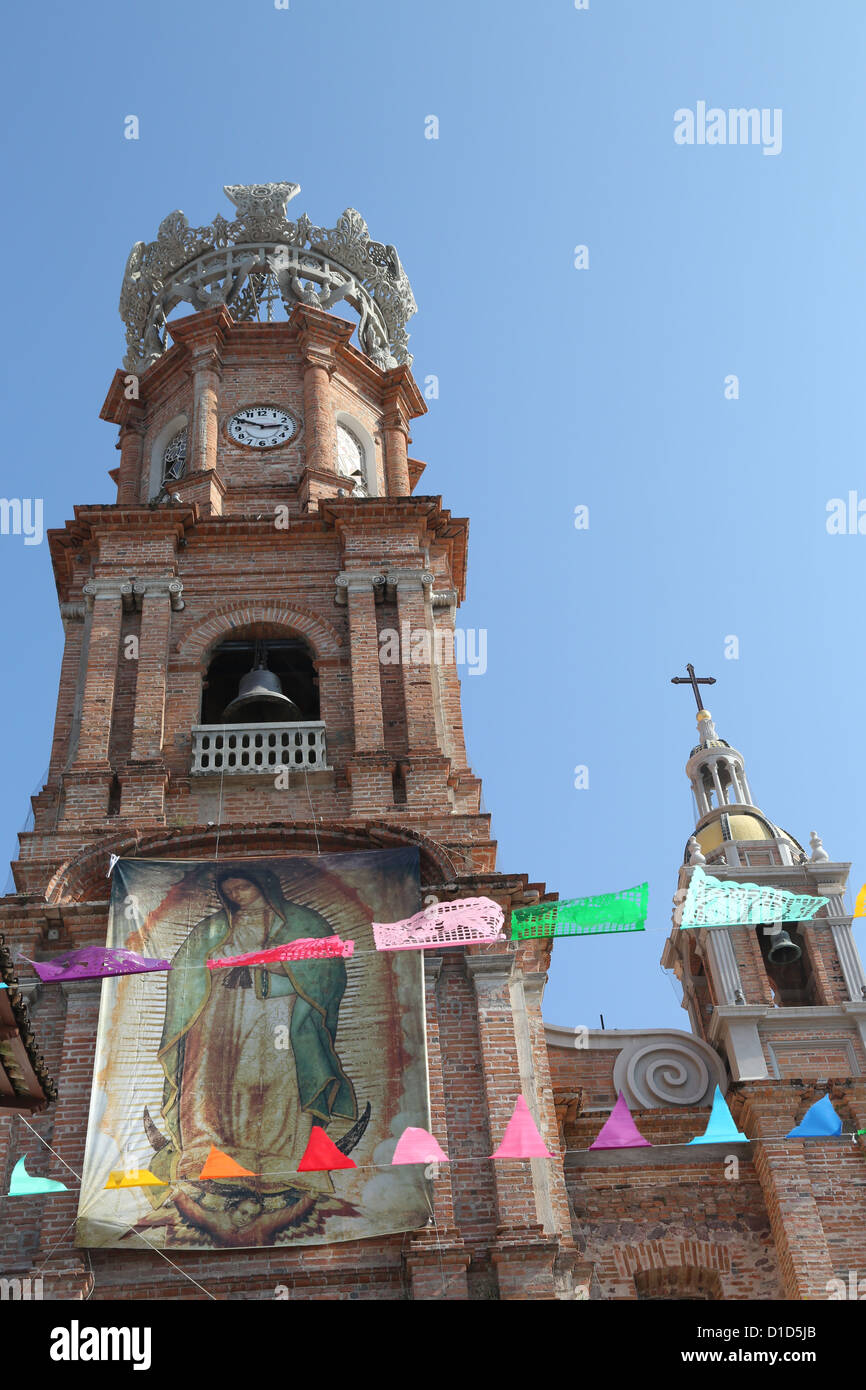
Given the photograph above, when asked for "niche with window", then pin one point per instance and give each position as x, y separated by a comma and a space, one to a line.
270, 681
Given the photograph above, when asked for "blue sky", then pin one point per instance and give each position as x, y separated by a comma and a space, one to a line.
558, 386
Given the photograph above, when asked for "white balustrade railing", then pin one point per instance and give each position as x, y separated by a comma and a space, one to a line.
227, 748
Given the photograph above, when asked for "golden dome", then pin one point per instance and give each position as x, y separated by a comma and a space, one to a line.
742, 825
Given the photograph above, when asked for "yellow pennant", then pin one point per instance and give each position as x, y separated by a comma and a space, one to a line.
133, 1177
860, 905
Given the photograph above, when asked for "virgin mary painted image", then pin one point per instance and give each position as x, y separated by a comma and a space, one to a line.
249, 1058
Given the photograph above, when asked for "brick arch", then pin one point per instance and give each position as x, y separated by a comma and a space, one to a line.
673, 1252
322, 636
679, 1282
83, 877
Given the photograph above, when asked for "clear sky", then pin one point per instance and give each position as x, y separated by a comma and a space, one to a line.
559, 386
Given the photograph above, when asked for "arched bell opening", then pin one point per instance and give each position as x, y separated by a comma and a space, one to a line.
261, 681
788, 965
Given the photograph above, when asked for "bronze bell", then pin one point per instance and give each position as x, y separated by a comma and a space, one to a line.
783, 951
262, 687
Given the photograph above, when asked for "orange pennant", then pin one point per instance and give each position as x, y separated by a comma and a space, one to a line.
219, 1165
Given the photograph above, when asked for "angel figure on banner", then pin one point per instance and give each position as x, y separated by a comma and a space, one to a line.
232, 1085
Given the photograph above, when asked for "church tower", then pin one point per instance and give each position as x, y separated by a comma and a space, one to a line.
784, 1005
259, 661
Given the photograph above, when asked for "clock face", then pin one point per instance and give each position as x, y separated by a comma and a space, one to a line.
261, 426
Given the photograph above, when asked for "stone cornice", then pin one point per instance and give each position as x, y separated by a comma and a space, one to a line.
402, 392
319, 335
208, 329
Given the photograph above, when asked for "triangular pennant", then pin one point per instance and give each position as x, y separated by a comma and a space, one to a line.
619, 1130
133, 1177
4, 986
418, 1146
720, 1126
219, 1165
22, 1184
860, 904
819, 1122
521, 1138
322, 1155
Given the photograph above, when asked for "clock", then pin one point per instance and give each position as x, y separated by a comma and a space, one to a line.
261, 426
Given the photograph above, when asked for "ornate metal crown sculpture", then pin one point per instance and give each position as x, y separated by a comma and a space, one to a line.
260, 263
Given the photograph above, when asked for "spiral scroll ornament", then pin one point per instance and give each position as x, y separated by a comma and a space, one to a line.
668, 1072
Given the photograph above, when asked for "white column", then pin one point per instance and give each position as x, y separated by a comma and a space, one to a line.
716, 942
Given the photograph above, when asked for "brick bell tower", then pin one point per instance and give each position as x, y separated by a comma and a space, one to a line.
788, 1020
222, 692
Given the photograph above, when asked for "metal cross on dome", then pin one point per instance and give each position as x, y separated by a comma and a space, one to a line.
694, 681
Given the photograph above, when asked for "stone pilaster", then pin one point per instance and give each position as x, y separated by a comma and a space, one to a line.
129, 481
395, 436
719, 953
206, 377
523, 1255
801, 1246
75, 630
437, 1259
62, 1266
428, 769
359, 595
88, 780
143, 780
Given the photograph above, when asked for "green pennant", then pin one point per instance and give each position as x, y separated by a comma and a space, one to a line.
604, 913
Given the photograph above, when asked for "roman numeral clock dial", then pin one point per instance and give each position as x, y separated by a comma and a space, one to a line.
261, 426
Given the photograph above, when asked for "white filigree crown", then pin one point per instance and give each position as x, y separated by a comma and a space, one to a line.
260, 266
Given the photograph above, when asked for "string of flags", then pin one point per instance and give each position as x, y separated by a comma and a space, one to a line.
520, 1140
460, 922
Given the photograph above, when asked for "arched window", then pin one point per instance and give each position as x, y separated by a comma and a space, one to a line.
260, 681
351, 461
169, 453
174, 457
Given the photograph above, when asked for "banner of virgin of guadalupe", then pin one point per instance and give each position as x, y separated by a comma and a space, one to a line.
247, 1059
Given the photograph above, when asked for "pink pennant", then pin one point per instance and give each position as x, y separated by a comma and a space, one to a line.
418, 1146
521, 1138
305, 948
619, 1130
